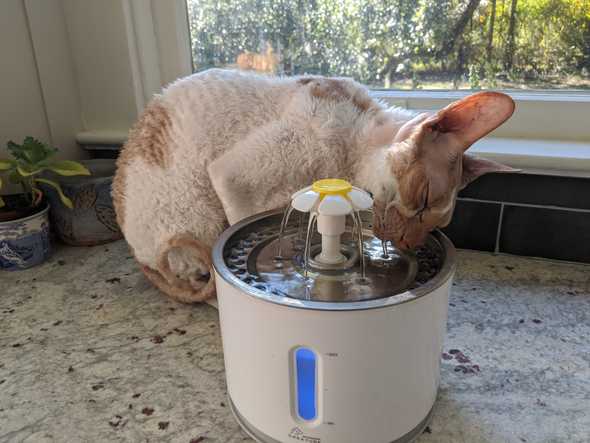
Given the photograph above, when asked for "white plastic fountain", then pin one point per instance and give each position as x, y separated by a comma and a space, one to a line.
326, 339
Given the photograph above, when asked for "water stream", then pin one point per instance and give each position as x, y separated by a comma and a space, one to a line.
310, 231
357, 236
358, 227
284, 222
384, 246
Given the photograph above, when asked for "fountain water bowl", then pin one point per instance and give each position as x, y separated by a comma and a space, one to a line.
324, 335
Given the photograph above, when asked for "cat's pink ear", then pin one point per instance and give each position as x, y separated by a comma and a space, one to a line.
474, 167
473, 117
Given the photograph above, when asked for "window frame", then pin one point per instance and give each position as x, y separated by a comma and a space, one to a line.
160, 52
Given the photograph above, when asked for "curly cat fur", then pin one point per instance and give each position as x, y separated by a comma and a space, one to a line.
163, 193
219, 146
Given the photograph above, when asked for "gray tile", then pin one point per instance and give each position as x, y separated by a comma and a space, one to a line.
474, 225
569, 192
543, 232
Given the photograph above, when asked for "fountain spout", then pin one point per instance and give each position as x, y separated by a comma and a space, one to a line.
330, 201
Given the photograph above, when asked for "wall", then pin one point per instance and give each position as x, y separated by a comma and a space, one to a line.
38, 90
21, 102
525, 214
76, 73
101, 56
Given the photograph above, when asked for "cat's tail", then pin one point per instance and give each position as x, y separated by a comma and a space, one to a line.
184, 269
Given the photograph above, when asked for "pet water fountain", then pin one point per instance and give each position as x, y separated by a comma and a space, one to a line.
329, 336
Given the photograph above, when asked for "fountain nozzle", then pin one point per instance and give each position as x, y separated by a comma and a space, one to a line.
330, 201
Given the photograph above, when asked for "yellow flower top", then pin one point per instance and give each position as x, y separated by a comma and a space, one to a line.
331, 186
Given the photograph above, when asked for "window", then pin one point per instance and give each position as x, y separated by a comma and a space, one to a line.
412, 53
401, 44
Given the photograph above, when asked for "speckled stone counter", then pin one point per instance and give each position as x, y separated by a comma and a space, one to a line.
90, 352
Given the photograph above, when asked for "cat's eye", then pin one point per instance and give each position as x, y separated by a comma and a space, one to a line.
424, 207
426, 195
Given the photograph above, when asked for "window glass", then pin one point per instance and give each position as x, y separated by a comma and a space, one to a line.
401, 44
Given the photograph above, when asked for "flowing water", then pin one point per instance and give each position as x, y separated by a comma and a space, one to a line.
358, 228
250, 256
384, 246
284, 222
357, 234
310, 231
283, 262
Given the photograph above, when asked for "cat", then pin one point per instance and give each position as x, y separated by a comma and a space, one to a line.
221, 145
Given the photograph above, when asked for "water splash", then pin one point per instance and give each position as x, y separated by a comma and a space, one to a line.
384, 246
300, 230
310, 230
358, 227
284, 222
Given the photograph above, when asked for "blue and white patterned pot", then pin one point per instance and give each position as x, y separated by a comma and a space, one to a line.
24, 243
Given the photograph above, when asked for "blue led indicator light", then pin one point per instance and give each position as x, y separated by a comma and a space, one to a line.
306, 383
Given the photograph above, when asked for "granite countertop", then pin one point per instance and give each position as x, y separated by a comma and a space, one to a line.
91, 352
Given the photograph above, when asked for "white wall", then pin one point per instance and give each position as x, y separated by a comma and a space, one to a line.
22, 111
38, 90
82, 70
98, 42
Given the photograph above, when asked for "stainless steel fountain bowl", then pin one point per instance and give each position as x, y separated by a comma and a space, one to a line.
246, 256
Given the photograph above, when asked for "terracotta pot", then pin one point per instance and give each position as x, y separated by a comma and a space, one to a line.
24, 242
92, 221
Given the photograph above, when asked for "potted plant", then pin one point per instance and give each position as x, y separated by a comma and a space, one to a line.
24, 225
92, 221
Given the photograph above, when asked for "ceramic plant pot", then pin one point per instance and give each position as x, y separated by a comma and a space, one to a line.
24, 242
92, 221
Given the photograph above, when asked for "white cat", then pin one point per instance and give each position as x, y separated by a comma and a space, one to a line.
220, 145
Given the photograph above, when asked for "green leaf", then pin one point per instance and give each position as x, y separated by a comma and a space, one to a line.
26, 170
32, 151
14, 177
37, 151
16, 151
68, 167
65, 200
5, 165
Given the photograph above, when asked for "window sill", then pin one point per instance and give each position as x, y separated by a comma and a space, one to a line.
101, 138
547, 157
568, 96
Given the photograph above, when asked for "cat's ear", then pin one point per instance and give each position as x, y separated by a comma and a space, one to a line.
474, 167
473, 117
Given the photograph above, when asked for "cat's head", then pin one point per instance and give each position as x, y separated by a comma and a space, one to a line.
426, 166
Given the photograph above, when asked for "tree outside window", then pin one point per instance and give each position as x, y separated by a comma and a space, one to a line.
401, 44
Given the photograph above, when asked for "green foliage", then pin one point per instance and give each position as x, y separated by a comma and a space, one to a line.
380, 42
490, 73
474, 77
30, 159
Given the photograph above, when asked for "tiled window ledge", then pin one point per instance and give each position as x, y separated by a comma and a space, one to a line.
522, 214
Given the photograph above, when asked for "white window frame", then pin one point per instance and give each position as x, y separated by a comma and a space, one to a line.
549, 133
